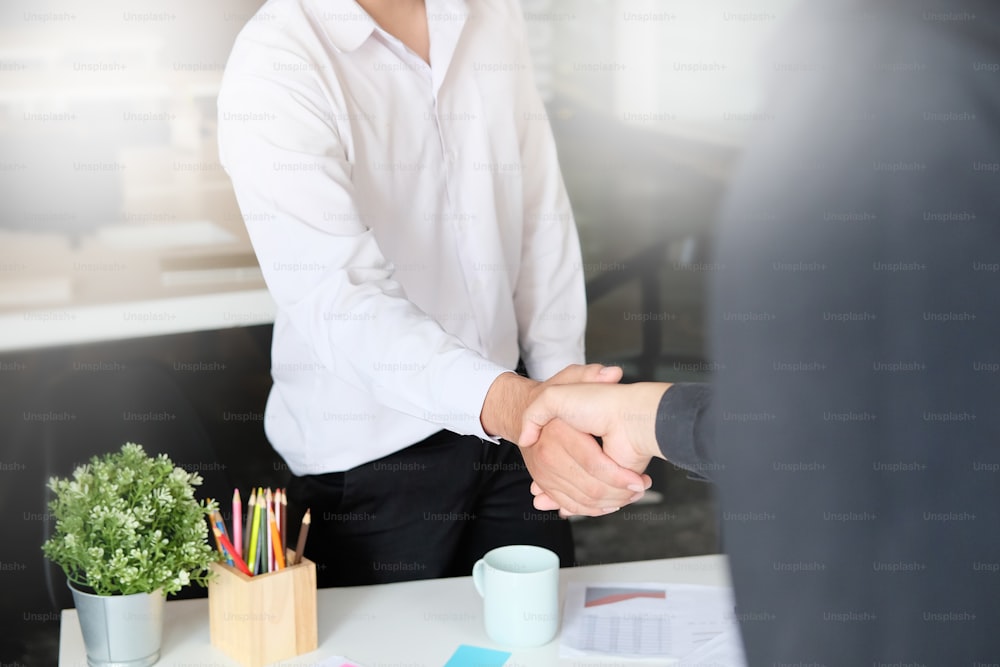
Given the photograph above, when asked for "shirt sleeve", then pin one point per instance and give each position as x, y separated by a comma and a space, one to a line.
684, 427
549, 297
293, 184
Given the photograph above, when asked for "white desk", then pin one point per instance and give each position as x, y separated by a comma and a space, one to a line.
412, 624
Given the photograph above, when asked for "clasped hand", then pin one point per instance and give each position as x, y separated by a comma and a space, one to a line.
571, 470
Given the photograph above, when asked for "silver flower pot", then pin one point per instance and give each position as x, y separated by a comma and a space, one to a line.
120, 630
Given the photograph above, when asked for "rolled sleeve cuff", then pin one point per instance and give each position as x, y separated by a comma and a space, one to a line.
463, 394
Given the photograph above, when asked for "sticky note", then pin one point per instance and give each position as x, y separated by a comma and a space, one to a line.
473, 656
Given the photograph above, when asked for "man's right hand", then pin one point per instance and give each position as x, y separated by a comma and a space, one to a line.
622, 415
566, 463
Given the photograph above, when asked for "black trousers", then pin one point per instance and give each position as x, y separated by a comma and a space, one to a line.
428, 511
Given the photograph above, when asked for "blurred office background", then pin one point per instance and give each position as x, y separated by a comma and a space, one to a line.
111, 193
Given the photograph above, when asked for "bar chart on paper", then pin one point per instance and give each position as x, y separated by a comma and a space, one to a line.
595, 596
639, 636
643, 620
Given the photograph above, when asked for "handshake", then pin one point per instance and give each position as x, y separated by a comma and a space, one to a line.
556, 424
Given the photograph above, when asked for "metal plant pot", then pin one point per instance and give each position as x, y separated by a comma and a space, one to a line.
120, 630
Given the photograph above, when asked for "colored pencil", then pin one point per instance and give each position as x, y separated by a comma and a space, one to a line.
211, 525
279, 558
230, 551
277, 518
284, 523
259, 540
262, 531
219, 530
269, 501
221, 523
303, 532
252, 560
247, 523
237, 524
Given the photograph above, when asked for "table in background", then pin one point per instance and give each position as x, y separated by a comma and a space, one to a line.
127, 283
411, 623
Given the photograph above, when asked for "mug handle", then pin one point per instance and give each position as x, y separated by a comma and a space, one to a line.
478, 575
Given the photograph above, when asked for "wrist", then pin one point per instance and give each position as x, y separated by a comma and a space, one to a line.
505, 403
643, 430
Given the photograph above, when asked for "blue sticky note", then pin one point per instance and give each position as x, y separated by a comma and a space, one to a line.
473, 656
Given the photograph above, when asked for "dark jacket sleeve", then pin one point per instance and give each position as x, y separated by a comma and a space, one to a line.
684, 426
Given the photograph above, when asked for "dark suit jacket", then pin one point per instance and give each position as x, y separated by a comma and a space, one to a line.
857, 321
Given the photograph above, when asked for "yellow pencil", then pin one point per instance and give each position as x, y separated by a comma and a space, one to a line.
246, 525
254, 535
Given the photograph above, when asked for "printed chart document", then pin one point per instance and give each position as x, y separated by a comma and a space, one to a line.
648, 621
725, 650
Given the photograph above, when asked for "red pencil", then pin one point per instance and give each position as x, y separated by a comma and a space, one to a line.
228, 546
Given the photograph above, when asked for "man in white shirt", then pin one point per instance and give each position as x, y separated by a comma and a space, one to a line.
399, 181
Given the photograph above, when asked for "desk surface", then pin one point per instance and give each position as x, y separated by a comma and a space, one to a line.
411, 624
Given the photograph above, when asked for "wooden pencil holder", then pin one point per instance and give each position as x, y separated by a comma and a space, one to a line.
263, 619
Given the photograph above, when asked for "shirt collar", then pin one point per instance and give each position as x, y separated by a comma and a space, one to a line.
346, 24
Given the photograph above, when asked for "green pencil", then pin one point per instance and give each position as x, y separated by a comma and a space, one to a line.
254, 538
264, 560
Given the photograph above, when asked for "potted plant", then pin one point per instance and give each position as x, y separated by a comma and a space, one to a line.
128, 532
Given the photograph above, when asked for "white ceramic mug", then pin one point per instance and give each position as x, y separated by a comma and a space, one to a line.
520, 589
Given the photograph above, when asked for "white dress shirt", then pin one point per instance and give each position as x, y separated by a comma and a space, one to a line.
410, 220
